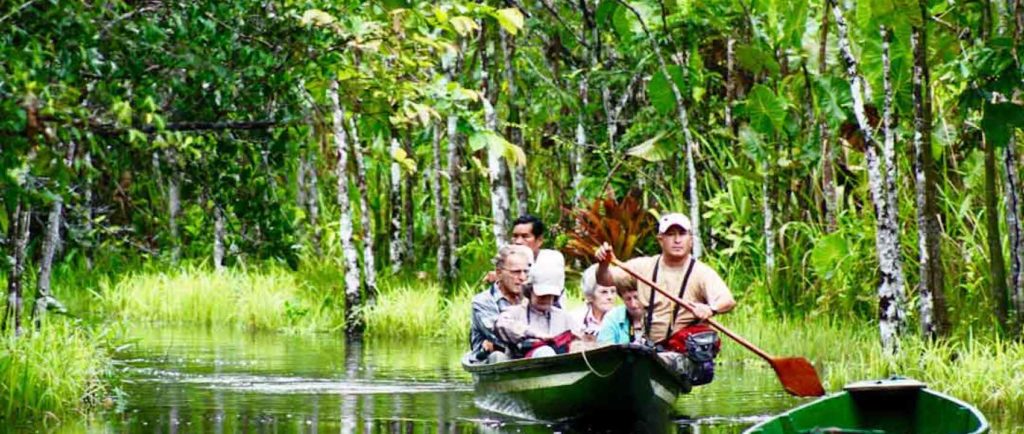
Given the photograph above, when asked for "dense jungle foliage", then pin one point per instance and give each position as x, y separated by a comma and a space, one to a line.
853, 161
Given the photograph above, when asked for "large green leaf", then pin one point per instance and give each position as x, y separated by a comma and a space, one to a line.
766, 111
832, 96
649, 149
827, 253
494, 141
510, 19
660, 91
626, 23
755, 60
1000, 120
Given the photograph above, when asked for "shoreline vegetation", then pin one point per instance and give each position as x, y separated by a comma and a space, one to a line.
66, 369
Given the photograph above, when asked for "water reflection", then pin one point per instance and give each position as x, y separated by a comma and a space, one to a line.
184, 380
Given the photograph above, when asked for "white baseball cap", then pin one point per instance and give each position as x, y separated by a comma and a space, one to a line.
547, 275
673, 219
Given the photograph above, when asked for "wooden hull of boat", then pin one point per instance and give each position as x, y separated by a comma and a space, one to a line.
879, 407
619, 382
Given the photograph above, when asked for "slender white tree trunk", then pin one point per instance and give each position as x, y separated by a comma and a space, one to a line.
1015, 227
397, 251
891, 293
87, 210
173, 203
931, 295
691, 171
515, 132
613, 110
219, 234
438, 195
769, 225
51, 243
365, 219
730, 79
409, 219
454, 196
828, 183
18, 235
497, 171
353, 293
312, 204
578, 153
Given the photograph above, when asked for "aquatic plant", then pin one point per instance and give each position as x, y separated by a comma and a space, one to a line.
269, 299
62, 369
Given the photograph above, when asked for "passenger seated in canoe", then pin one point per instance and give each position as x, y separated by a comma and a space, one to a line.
670, 326
538, 328
528, 230
598, 301
511, 266
624, 324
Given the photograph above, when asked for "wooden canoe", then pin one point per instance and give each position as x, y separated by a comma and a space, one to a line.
615, 382
894, 406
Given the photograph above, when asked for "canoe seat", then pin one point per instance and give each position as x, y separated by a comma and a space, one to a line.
836, 430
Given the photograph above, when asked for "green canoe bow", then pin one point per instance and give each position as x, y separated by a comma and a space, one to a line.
620, 382
895, 406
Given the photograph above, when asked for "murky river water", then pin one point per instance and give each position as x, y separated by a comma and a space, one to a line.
184, 380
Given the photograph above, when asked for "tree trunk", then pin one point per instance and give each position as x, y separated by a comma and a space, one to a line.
454, 196
769, 227
51, 243
828, 178
87, 208
514, 129
438, 196
931, 295
1014, 224
365, 218
18, 235
578, 153
312, 196
691, 171
173, 203
496, 167
997, 266
397, 252
730, 80
408, 205
353, 294
497, 172
890, 290
219, 234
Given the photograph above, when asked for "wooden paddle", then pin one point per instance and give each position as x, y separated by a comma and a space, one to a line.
797, 374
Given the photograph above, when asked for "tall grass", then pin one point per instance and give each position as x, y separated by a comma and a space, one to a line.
984, 370
63, 369
272, 298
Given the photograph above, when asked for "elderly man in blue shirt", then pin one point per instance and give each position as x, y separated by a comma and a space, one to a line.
512, 267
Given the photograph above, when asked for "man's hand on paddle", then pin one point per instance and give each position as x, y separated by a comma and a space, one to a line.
605, 254
700, 310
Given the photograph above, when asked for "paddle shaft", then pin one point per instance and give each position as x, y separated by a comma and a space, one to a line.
739, 339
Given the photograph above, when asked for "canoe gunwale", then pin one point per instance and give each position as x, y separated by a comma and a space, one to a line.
861, 393
587, 357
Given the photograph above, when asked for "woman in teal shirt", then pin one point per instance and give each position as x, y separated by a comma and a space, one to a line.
624, 324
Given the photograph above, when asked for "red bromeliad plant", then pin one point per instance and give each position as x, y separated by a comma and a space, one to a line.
622, 224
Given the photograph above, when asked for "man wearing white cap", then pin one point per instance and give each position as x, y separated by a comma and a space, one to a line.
675, 270
539, 328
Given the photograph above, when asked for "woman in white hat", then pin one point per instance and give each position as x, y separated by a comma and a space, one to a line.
539, 328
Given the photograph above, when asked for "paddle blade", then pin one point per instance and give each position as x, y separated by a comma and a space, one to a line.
798, 376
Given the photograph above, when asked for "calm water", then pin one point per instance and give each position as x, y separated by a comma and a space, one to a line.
185, 380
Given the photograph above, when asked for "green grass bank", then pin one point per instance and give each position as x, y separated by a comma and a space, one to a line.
60, 371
